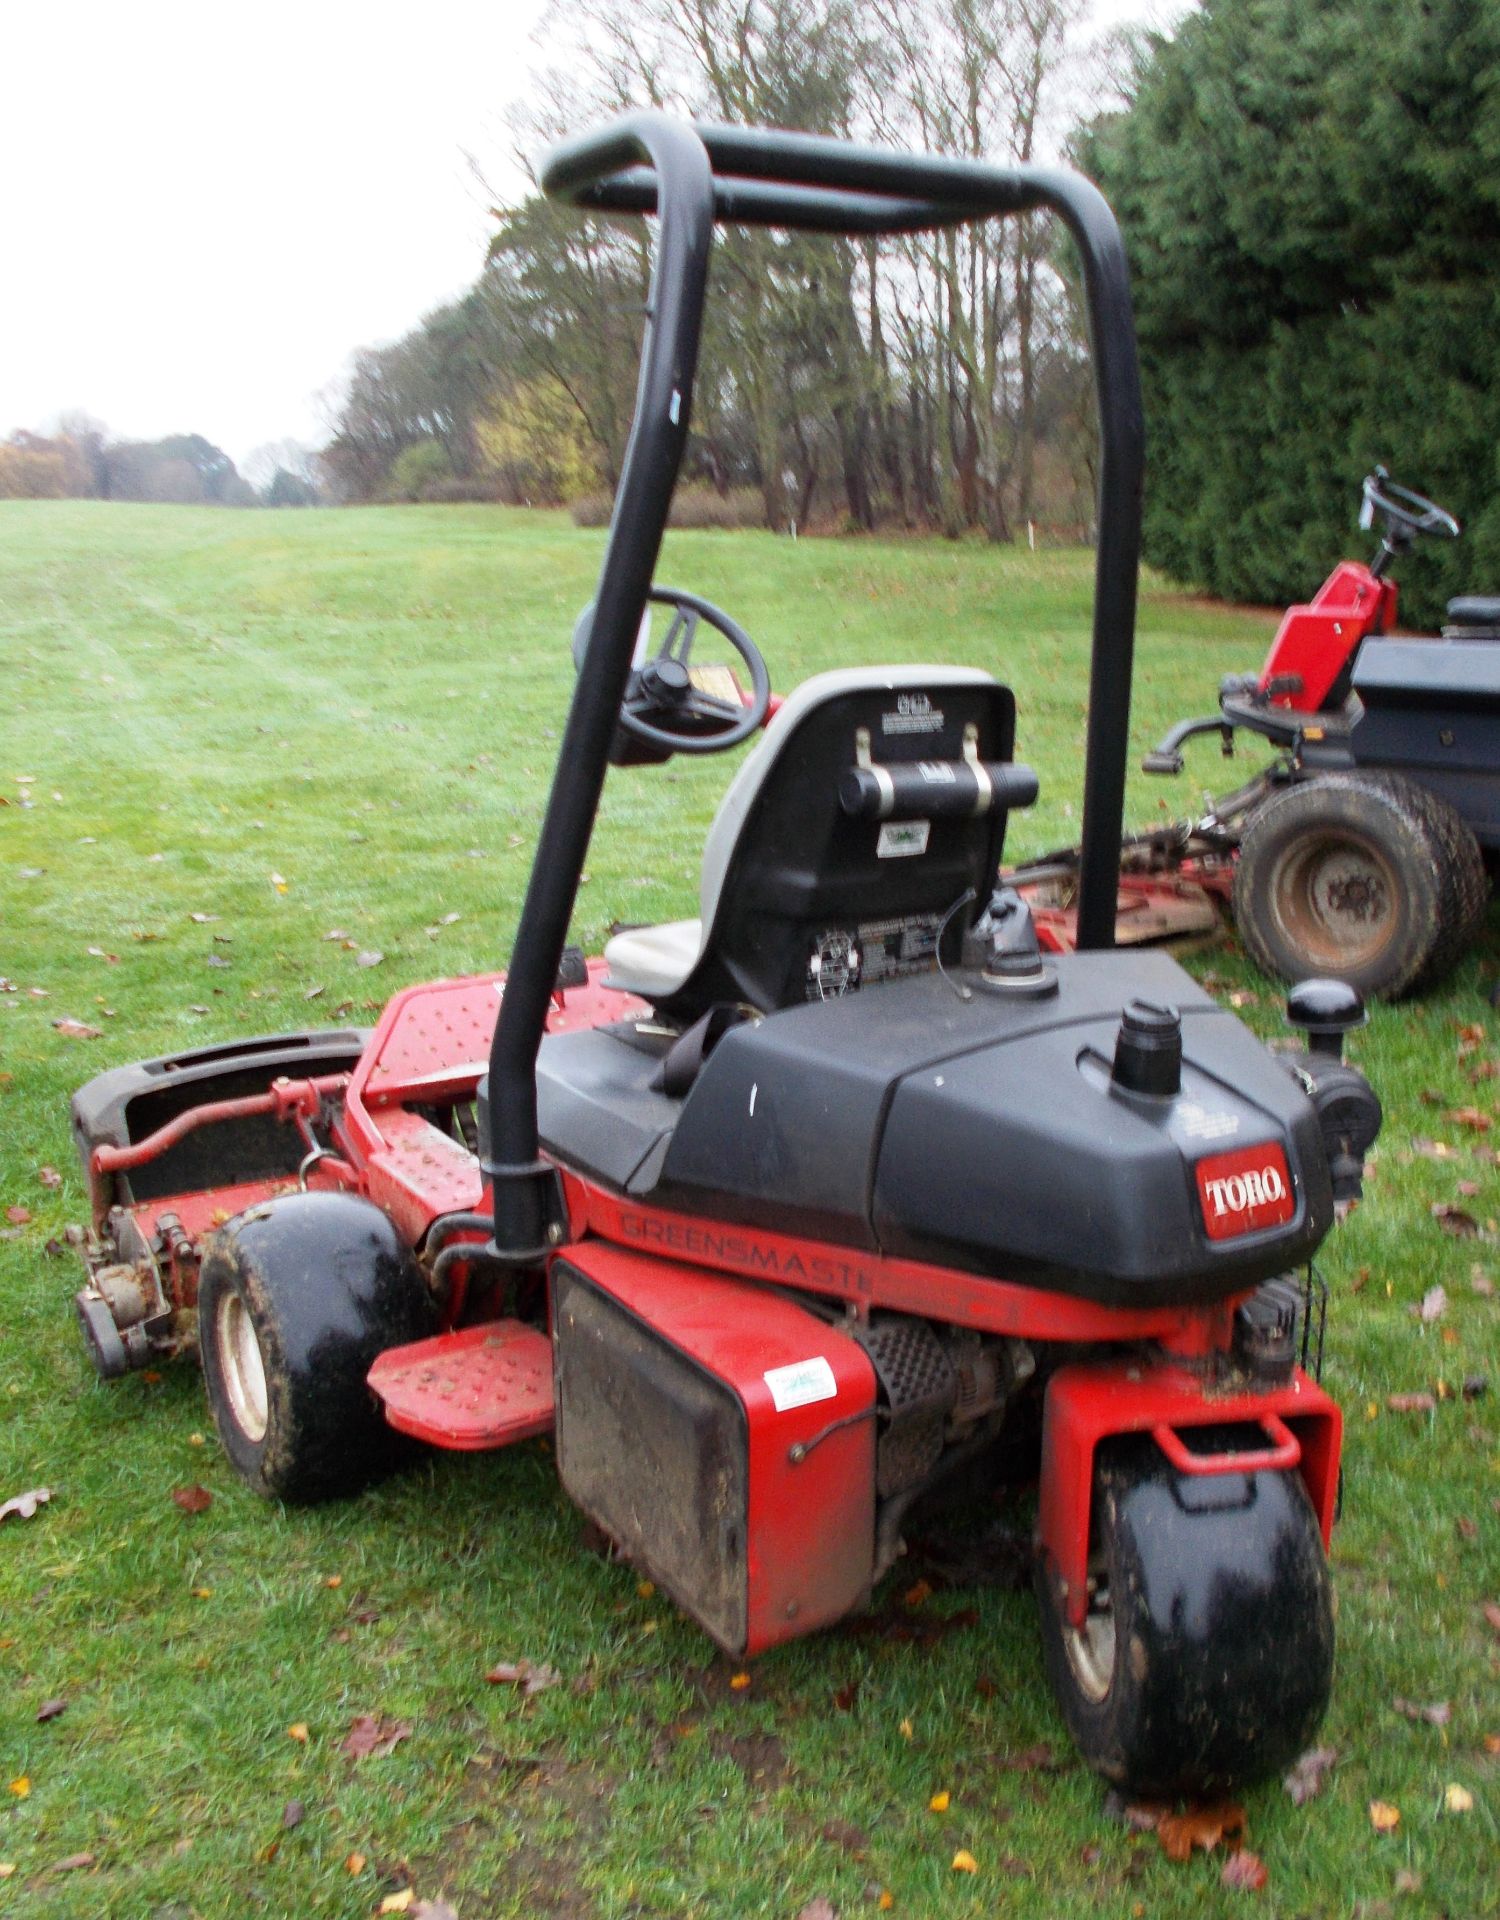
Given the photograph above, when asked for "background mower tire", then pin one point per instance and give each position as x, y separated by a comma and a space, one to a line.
1367, 877
295, 1300
1207, 1657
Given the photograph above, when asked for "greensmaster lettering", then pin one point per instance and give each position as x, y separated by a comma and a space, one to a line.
738, 1251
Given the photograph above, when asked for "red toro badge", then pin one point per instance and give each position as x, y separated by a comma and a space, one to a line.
1244, 1191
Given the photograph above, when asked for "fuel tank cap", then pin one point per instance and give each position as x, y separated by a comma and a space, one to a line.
1148, 1049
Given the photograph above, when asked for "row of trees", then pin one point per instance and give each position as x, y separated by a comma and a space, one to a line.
1311, 197
80, 460
938, 380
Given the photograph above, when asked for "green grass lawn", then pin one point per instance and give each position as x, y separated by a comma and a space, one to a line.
298, 722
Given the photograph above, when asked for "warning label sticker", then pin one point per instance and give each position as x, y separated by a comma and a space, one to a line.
900, 839
800, 1384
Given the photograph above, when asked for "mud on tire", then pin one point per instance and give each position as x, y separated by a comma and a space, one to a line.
1368, 877
1206, 1658
295, 1300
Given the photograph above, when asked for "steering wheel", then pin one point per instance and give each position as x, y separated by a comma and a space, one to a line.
1406, 513
667, 705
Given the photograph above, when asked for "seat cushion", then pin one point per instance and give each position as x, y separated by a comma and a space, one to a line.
653, 961
1474, 610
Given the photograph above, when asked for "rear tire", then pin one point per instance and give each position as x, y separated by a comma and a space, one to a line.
1206, 1658
296, 1299
1368, 877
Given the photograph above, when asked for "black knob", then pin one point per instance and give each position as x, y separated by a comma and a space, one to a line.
1148, 1049
1326, 1010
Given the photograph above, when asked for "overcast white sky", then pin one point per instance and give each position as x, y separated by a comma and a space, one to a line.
205, 208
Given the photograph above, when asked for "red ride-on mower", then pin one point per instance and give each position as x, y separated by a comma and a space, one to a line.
780, 1217
1360, 851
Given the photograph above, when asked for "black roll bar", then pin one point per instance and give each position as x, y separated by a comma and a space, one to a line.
693, 177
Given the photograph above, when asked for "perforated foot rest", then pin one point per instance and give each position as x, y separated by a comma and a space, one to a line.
485, 1387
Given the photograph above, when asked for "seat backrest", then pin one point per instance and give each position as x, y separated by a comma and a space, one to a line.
796, 891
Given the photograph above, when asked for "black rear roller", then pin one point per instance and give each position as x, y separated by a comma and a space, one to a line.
296, 1298
1207, 1654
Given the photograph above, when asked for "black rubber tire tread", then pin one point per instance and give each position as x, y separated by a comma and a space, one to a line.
327, 1285
1466, 885
1428, 846
1223, 1656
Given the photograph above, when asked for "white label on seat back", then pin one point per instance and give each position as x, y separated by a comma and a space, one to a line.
899, 839
800, 1384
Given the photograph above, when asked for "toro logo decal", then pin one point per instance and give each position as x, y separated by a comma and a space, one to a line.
1244, 1191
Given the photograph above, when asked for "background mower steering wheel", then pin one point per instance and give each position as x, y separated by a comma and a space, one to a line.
662, 696
1406, 513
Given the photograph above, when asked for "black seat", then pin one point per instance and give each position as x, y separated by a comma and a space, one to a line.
802, 893
1474, 611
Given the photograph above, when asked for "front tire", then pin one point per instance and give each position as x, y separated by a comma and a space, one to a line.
296, 1298
1365, 876
1206, 1657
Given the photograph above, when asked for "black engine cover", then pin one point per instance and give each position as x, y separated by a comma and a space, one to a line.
987, 1133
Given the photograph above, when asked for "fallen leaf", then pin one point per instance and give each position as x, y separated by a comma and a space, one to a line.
18, 1216
918, 1595
49, 1176
1308, 1775
845, 1697
1141, 1816
21, 1785
1407, 1881
1457, 1799
7, 1868
1467, 1529
1436, 1715
964, 1862
1384, 1818
1434, 1305
278, 883
843, 1833
1202, 1826
939, 1803
78, 1030
50, 1710
1410, 1402
24, 1505
530, 1676
293, 1814
313, 993
1244, 1871
1481, 1283
397, 1902
203, 919
298, 1732
370, 957
433, 1910
371, 1736
194, 1499
72, 1863
1452, 1219
819, 1909
739, 1681
906, 1730
203, 1593
355, 1863
1474, 1118
1037, 1759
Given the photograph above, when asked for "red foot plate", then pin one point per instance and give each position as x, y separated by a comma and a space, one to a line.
485, 1387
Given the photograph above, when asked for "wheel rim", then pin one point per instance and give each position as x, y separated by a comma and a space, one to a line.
1337, 896
1091, 1647
243, 1367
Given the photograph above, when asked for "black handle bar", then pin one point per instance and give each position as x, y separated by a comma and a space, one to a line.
692, 177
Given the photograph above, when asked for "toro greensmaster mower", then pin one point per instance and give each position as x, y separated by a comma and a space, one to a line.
1360, 848
780, 1217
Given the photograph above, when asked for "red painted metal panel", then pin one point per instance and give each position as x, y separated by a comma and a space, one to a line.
486, 1387
1314, 641
1089, 1402
808, 1392
990, 1305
